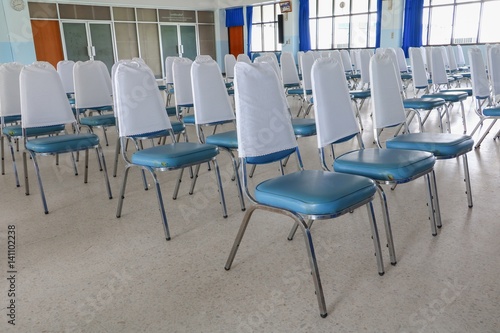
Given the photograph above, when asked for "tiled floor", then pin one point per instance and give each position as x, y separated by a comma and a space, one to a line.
80, 269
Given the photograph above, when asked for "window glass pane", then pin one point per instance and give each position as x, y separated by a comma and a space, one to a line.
440, 2
268, 13
256, 38
341, 7
206, 17
168, 15
372, 30
277, 45
325, 8
123, 14
341, 33
207, 40
490, 23
312, 31
426, 2
257, 14
126, 40
359, 7
146, 15
269, 37
441, 25
325, 33
312, 8
466, 23
359, 30
373, 5
149, 41
42, 10
425, 26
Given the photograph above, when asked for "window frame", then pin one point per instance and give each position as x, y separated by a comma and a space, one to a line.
261, 23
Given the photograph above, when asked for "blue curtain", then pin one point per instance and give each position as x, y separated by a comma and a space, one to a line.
379, 24
234, 17
412, 27
249, 29
304, 34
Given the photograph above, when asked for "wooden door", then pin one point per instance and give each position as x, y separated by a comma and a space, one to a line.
236, 41
47, 39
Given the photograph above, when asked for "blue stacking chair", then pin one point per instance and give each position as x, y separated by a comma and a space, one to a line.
265, 135
486, 107
212, 108
44, 103
144, 118
336, 124
389, 112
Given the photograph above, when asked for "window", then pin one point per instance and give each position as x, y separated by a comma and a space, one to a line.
265, 28
340, 24
460, 22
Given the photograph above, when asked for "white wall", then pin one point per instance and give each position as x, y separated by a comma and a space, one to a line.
16, 37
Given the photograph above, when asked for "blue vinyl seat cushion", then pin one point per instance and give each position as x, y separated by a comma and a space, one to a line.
174, 155
406, 76
449, 96
162, 87
11, 119
188, 120
423, 103
63, 143
315, 192
227, 140
385, 164
304, 127
442, 145
362, 94
230, 92
100, 120
492, 111
298, 91
16, 130
465, 89
171, 111
98, 108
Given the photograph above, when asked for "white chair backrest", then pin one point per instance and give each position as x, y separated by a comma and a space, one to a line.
424, 57
387, 102
299, 59
306, 65
346, 60
333, 108
91, 87
136, 59
439, 75
106, 75
335, 54
139, 106
355, 60
403, 66
181, 71
444, 54
43, 64
264, 126
289, 69
169, 61
480, 83
428, 56
43, 99
494, 57
451, 58
270, 60
364, 59
65, 70
460, 56
211, 101
10, 98
203, 57
243, 58
229, 62
419, 73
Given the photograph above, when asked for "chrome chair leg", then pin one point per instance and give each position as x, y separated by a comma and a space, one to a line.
239, 236
252, 170
430, 204
238, 181
221, 190
122, 192
435, 197
42, 193
195, 178
376, 238
463, 116
2, 153
100, 156
485, 133
468, 190
13, 160
479, 124
117, 152
291, 235
162, 207
75, 168
387, 224
178, 184
86, 172
26, 180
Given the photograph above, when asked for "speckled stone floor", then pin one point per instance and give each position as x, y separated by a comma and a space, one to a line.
80, 269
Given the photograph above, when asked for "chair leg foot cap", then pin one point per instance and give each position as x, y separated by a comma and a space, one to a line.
381, 274
168, 238
226, 268
394, 263
20, 186
323, 315
434, 235
46, 212
224, 216
439, 226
